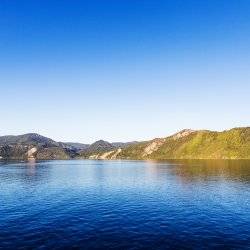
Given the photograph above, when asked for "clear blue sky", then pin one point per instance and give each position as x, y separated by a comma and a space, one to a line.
123, 70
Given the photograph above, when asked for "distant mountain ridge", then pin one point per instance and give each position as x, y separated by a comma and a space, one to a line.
33, 146
74, 145
186, 144
27, 139
36, 146
101, 147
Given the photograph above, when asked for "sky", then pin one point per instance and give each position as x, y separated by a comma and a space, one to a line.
123, 70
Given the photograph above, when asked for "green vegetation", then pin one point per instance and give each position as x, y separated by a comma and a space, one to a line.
187, 144
231, 144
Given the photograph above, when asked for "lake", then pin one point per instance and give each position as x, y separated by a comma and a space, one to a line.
85, 204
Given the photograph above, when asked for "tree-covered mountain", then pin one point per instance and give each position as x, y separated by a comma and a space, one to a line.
96, 148
28, 139
190, 144
187, 144
35, 146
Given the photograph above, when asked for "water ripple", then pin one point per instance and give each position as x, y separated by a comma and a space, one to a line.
125, 205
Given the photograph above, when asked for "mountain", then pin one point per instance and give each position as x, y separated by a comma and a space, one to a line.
190, 144
35, 146
96, 148
186, 144
74, 145
28, 139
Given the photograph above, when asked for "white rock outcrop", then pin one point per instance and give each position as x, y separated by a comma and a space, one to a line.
114, 156
32, 153
183, 133
153, 146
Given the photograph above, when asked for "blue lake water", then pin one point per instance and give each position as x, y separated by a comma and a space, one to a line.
125, 205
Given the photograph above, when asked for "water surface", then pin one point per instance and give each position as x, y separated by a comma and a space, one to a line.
125, 205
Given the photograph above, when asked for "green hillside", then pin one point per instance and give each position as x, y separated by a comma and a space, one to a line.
188, 144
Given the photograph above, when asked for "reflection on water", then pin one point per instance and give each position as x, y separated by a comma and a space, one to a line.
125, 204
31, 167
25, 173
235, 170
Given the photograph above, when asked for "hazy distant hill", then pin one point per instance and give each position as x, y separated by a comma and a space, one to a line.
74, 145
97, 147
123, 144
190, 144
